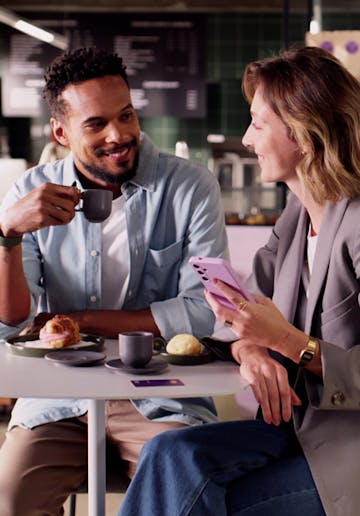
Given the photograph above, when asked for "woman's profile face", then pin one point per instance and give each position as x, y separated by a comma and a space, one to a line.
268, 136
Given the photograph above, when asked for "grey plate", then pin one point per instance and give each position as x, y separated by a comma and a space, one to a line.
203, 358
153, 367
73, 357
15, 345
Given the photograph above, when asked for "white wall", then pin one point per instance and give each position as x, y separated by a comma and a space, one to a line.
244, 241
10, 171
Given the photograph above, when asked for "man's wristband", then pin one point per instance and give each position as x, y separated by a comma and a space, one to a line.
9, 241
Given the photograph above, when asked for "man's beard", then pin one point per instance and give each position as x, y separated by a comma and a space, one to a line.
112, 179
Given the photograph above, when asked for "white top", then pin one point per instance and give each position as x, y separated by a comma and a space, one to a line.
115, 272
311, 249
309, 263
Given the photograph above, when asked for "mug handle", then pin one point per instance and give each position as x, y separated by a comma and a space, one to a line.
159, 345
81, 198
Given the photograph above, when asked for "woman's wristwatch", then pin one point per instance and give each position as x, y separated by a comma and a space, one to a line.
308, 353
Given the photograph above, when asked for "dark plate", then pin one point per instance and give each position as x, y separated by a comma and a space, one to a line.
203, 358
16, 345
74, 357
153, 367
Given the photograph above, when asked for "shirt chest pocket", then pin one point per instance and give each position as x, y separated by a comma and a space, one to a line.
162, 272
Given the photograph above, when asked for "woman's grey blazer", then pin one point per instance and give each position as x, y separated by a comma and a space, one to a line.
328, 424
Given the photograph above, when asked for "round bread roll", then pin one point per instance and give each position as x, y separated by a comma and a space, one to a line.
184, 344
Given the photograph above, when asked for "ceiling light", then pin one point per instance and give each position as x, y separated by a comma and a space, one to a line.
314, 27
14, 21
316, 20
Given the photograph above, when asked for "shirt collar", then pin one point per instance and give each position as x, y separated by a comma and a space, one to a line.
146, 173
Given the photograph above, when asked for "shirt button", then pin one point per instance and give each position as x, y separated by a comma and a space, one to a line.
338, 398
93, 253
93, 299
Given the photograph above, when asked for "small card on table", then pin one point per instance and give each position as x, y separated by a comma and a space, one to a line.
157, 382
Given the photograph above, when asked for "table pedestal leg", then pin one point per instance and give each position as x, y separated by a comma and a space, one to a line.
96, 458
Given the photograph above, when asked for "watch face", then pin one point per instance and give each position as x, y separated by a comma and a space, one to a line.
306, 357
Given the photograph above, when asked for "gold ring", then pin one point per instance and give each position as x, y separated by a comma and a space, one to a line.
228, 324
242, 305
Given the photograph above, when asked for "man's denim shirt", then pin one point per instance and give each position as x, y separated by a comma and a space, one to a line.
173, 211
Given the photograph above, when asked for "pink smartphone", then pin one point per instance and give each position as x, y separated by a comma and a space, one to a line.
209, 269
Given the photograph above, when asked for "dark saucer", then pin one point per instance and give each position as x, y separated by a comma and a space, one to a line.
75, 358
153, 367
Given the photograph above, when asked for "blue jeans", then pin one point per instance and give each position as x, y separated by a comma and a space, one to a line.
242, 468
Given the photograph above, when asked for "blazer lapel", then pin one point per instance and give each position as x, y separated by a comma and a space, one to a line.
291, 259
333, 215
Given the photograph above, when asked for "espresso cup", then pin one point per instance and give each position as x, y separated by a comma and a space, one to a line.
96, 204
136, 348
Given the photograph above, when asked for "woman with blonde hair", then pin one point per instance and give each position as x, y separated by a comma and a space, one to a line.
298, 346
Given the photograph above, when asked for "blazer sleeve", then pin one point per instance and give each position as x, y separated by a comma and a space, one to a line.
340, 325
340, 389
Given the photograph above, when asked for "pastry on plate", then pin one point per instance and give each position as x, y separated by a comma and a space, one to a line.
60, 332
184, 344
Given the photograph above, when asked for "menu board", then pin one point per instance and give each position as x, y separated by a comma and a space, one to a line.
164, 56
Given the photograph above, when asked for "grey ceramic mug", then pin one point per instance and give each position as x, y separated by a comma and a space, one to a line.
96, 204
136, 348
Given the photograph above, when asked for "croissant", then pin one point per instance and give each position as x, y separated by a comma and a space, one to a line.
60, 331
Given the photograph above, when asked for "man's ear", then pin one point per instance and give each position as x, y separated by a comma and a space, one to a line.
59, 132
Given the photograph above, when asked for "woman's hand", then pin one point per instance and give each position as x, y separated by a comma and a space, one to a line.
259, 323
268, 380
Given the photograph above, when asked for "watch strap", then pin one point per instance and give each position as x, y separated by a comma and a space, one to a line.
9, 241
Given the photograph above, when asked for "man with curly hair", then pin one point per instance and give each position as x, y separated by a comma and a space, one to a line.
128, 273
